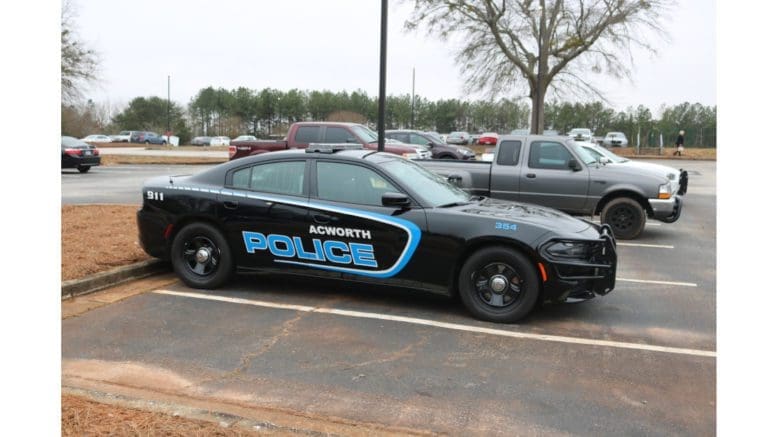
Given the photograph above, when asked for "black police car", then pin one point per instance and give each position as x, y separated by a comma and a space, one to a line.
339, 212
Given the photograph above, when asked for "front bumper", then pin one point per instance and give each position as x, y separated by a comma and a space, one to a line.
667, 210
581, 278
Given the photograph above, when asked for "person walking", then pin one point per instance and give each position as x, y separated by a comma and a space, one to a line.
679, 144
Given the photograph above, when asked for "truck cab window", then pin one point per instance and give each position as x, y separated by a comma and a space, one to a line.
338, 135
549, 155
508, 153
307, 134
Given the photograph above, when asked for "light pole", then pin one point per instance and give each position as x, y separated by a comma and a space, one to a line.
412, 103
382, 81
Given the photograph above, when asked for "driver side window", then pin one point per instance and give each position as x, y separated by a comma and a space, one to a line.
549, 155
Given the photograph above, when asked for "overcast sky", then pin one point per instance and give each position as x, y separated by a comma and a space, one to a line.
334, 45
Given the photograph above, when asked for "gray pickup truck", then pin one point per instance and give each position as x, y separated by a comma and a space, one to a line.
561, 173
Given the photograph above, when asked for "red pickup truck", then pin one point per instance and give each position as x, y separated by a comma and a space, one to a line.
304, 133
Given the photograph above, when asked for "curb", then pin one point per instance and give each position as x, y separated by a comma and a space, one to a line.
115, 276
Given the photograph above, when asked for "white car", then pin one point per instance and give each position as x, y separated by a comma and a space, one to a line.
606, 157
617, 139
219, 141
245, 138
97, 139
124, 136
581, 134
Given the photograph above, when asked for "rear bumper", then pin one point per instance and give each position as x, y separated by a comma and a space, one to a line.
73, 162
581, 278
151, 233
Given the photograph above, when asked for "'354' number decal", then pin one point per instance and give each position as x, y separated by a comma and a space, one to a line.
505, 226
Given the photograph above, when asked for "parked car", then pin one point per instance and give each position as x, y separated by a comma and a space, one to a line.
79, 154
219, 141
615, 139
462, 138
348, 212
304, 133
200, 141
145, 137
560, 173
97, 139
244, 138
488, 139
124, 136
438, 147
581, 135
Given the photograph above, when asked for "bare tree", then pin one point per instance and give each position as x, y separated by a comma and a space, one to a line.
541, 45
79, 63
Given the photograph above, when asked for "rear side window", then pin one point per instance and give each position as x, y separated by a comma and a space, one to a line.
549, 155
508, 152
397, 136
274, 177
307, 134
351, 183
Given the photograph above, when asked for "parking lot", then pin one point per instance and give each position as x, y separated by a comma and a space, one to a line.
639, 361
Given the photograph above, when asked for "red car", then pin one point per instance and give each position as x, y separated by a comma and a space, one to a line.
488, 139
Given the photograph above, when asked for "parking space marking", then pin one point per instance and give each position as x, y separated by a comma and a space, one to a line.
653, 224
447, 325
657, 246
645, 281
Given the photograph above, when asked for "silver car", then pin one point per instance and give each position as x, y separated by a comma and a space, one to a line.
615, 139
458, 138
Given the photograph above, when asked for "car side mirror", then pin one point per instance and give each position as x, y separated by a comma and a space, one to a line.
430, 144
395, 199
604, 160
574, 165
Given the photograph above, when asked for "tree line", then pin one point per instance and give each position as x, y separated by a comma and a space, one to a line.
267, 113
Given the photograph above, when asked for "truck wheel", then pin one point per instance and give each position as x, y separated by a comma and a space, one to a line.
498, 284
626, 216
201, 257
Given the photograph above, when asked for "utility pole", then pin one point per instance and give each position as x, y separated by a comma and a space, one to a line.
412, 103
382, 84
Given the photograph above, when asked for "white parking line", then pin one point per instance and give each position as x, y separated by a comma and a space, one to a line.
657, 246
446, 325
652, 224
644, 281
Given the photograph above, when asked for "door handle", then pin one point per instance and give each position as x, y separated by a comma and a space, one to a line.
321, 219
531, 175
230, 204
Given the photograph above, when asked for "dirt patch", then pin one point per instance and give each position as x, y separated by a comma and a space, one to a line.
96, 238
81, 416
163, 160
692, 153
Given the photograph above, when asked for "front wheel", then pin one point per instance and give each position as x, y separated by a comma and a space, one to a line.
626, 216
201, 256
499, 284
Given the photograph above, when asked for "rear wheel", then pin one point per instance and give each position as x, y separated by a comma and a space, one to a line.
201, 256
499, 284
84, 168
626, 216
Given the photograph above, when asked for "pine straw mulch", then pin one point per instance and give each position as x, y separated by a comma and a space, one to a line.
96, 238
84, 417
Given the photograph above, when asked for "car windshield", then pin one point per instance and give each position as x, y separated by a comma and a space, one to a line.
435, 137
579, 131
586, 154
436, 190
365, 134
601, 151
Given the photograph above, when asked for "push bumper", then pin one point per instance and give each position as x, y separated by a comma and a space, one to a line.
667, 210
582, 278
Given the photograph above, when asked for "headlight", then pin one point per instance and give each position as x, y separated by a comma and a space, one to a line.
410, 155
464, 151
569, 249
665, 191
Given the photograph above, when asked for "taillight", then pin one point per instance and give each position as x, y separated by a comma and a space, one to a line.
96, 151
73, 152
232, 151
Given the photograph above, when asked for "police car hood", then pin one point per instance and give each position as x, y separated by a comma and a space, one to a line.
550, 218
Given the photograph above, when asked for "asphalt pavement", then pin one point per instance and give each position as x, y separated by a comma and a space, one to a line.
639, 361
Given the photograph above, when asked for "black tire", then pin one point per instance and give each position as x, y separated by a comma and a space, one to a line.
480, 292
164, 143
626, 216
210, 273
147, 142
83, 168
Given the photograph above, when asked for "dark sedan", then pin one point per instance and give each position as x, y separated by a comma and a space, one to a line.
79, 155
349, 213
438, 147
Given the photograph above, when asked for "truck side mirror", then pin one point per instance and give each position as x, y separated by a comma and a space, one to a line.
395, 199
574, 165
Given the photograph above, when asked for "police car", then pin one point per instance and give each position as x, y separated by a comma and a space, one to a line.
340, 211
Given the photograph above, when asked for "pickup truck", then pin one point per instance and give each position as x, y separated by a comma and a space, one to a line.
302, 134
561, 173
